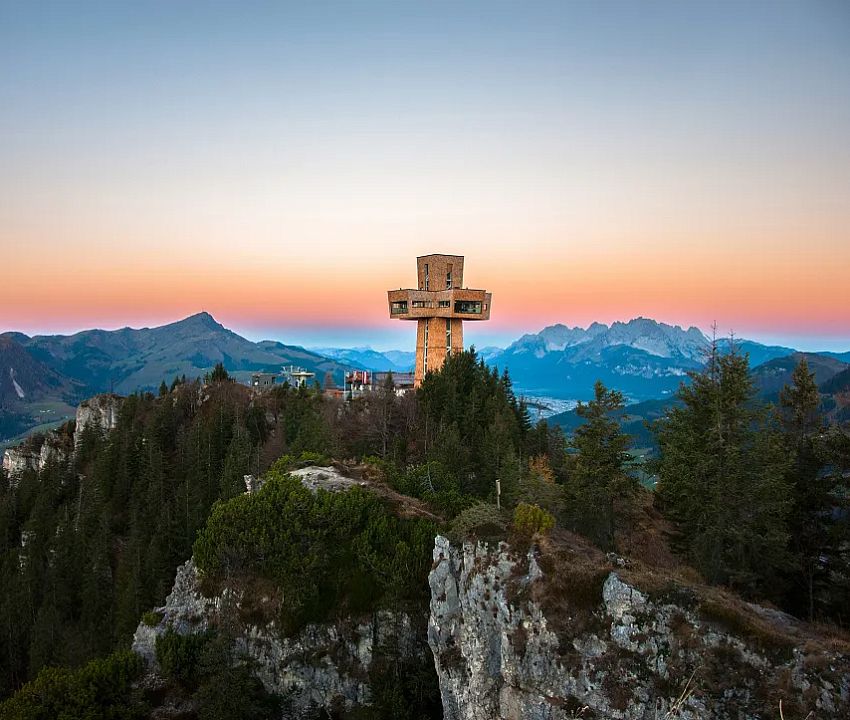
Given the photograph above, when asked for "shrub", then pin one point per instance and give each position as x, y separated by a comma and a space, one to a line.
532, 520
179, 656
290, 462
328, 553
100, 689
430, 482
152, 618
481, 521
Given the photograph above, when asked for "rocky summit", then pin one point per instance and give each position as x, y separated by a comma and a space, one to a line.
549, 631
613, 651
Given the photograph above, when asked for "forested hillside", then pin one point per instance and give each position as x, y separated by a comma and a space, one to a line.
750, 498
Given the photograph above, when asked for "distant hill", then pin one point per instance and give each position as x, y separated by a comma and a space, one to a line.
129, 359
402, 359
757, 352
838, 383
634, 419
844, 357
831, 375
770, 377
368, 359
25, 379
31, 393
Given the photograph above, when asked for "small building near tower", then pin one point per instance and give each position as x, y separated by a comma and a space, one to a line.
439, 305
262, 381
297, 377
402, 381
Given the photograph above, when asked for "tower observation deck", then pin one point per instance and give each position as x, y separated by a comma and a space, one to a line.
439, 306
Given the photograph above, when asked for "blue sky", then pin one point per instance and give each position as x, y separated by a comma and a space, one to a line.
592, 160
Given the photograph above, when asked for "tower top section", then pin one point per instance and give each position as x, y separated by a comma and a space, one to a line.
439, 272
440, 303
439, 293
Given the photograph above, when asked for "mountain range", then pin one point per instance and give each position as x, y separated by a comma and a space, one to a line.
832, 376
369, 359
644, 359
68, 368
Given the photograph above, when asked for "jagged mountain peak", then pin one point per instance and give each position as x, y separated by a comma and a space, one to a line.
200, 319
640, 333
556, 338
656, 338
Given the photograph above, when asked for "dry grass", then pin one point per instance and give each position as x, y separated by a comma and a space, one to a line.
571, 594
646, 533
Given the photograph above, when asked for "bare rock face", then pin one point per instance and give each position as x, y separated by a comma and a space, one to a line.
323, 666
18, 460
34, 454
100, 410
316, 477
630, 657
51, 451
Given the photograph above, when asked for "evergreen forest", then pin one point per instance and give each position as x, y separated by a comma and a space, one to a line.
755, 497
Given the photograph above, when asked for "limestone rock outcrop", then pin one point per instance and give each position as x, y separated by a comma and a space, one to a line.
19, 459
623, 654
35, 453
322, 666
101, 410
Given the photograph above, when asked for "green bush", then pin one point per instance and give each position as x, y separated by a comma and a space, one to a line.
532, 520
152, 618
290, 462
180, 656
481, 521
331, 554
430, 482
100, 690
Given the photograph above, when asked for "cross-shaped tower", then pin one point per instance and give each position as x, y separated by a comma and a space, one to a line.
439, 305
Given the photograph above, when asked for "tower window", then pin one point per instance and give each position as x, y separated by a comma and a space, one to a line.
468, 307
426, 276
425, 353
449, 277
448, 336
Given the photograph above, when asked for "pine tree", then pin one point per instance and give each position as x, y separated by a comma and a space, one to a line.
815, 527
218, 374
599, 482
722, 477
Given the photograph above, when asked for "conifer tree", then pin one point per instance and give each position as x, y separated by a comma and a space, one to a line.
599, 481
816, 529
722, 477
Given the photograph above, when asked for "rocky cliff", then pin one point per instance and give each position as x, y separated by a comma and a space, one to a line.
544, 636
100, 410
325, 666
36, 452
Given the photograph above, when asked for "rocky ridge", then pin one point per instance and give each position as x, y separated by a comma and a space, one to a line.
323, 667
101, 411
627, 655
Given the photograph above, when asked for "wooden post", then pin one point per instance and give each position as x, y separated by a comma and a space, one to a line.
498, 494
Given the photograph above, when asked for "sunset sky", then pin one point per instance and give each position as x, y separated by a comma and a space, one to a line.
280, 165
